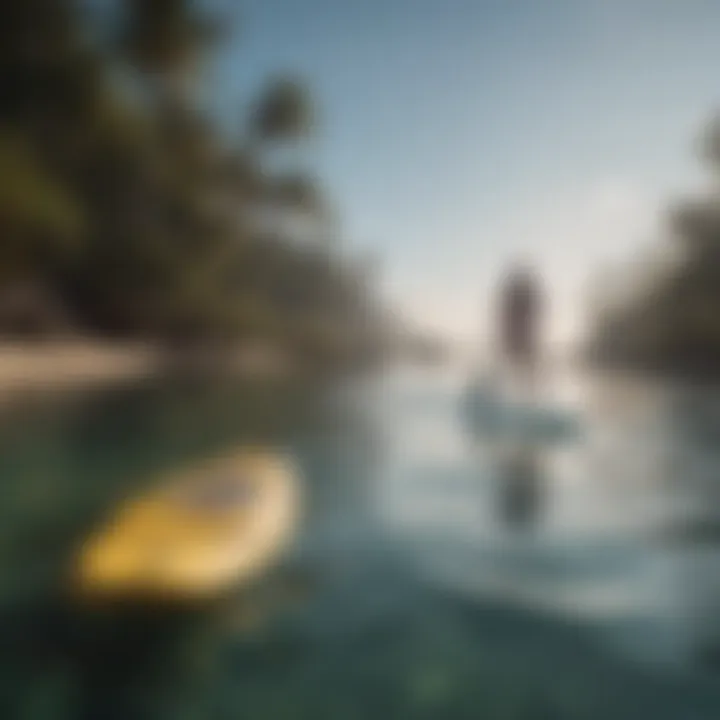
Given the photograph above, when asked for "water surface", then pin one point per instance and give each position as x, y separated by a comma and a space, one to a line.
442, 576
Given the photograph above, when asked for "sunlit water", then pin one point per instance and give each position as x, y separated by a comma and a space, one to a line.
440, 581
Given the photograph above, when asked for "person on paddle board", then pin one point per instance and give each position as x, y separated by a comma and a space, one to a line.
520, 315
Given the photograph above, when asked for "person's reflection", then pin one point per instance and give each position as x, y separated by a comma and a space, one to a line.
520, 486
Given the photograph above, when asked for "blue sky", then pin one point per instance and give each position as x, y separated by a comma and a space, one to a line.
455, 133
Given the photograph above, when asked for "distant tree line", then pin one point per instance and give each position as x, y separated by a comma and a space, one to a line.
126, 212
671, 323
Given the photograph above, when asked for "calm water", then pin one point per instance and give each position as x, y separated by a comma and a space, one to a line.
441, 577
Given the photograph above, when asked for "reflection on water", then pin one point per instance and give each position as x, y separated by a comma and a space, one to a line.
431, 577
520, 485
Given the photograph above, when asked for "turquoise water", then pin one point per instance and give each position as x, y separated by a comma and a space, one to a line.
440, 575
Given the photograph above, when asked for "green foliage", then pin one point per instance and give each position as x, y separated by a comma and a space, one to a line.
672, 325
119, 194
32, 202
283, 112
165, 36
710, 143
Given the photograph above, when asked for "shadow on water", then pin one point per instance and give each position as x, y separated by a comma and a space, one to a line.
63, 662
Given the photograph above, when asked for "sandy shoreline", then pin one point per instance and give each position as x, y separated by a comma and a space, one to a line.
78, 364
53, 365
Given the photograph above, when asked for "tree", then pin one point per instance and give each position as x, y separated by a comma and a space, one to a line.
672, 325
282, 113
119, 194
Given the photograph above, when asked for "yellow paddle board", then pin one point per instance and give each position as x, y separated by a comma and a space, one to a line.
197, 533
